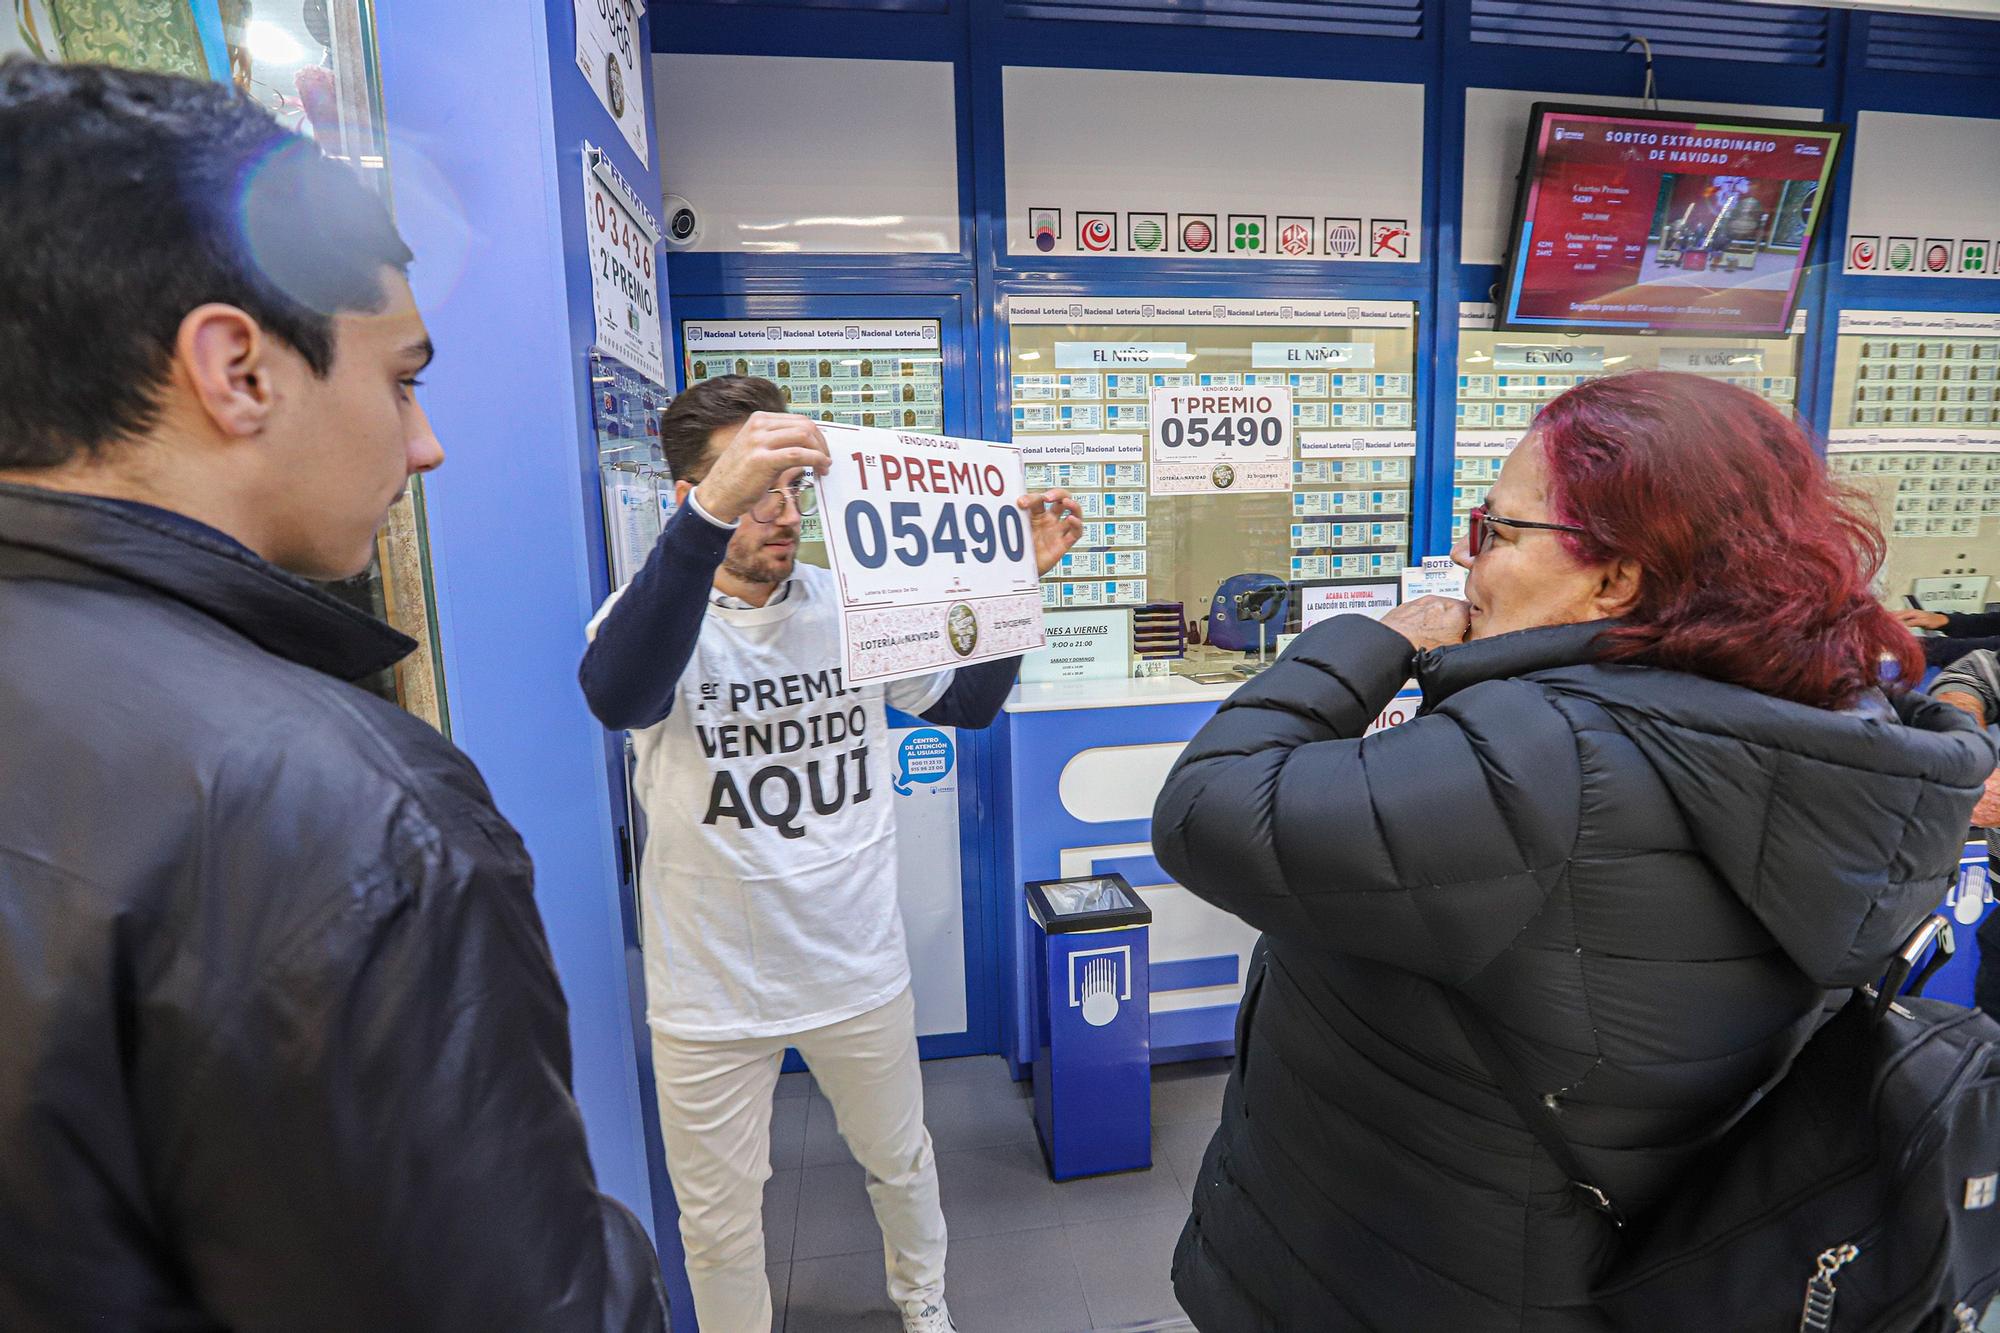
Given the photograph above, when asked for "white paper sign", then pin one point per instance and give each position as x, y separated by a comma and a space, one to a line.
1535, 356
624, 279
1082, 645
633, 521
1122, 356
1714, 360
1210, 441
1437, 576
1966, 593
1373, 600
934, 561
607, 51
1309, 356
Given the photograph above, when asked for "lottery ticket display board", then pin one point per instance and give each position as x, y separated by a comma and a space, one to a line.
1916, 424
1505, 379
884, 374
1207, 438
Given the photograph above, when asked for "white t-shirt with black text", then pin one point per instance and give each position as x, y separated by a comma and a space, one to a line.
768, 881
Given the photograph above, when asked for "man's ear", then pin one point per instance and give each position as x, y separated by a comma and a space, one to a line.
224, 355
1618, 588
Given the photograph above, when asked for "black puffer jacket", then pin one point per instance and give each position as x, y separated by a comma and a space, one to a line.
1647, 879
281, 1042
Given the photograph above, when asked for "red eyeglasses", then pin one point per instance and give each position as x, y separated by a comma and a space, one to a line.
1479, 528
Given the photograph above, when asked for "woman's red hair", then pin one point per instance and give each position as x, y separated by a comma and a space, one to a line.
1756, 565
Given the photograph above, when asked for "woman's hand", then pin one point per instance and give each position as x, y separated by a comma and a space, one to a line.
1987, 813
1431, 622
1921, 619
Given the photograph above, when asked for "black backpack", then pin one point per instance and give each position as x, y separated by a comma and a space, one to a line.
1858, 1195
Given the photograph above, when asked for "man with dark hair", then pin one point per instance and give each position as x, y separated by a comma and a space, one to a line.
281, 1042
769, 878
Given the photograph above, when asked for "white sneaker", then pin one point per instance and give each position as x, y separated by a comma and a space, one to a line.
930, 1317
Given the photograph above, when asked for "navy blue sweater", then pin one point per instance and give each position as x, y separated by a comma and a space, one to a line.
632, 667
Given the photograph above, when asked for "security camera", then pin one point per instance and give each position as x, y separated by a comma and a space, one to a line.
683, 223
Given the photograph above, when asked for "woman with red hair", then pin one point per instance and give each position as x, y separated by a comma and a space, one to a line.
1668, 788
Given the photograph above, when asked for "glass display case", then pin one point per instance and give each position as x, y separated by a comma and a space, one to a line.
1916, 425
1083, 375
1504, 379
313, 64
887, 373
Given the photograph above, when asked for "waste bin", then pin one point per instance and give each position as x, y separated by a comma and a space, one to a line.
1093, 1032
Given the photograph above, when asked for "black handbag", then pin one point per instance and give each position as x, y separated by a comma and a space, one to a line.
1858, 1195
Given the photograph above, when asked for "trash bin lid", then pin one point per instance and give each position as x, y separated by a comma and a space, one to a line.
1088, 902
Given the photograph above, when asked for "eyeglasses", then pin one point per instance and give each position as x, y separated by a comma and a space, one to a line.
799, 492
1479, 528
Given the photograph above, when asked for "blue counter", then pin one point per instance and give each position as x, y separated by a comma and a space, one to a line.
1081, 764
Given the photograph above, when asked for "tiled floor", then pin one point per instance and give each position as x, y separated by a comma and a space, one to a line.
1027, 1255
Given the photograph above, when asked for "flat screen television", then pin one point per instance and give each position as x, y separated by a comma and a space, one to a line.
1662, 222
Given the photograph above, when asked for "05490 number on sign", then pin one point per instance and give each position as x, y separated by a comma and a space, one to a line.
984, 533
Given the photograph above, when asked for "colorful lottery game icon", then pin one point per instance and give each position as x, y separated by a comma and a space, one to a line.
1246, 235
1146, 233
1198, 234
1343, 237
1045, 225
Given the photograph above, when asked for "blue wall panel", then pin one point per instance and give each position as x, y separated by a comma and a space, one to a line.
489, 193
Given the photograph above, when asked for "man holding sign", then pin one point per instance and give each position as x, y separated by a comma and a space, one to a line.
769, 877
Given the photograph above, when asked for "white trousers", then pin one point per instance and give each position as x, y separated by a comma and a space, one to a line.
715, 1115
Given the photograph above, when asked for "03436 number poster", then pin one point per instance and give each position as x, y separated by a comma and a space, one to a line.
935, 562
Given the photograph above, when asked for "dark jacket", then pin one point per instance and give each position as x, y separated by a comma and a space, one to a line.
1964, 632
1648, 880
281, 1042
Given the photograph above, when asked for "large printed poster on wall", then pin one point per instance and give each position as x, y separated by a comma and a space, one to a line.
607, 51
624, 277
